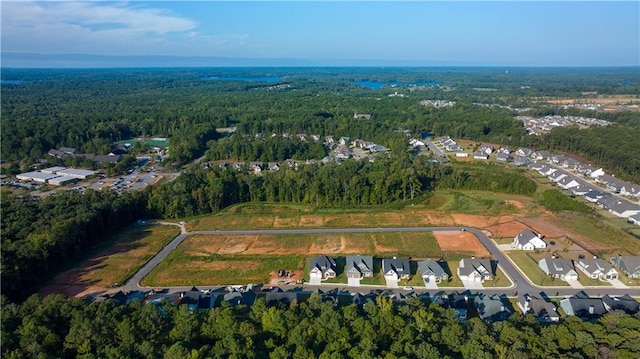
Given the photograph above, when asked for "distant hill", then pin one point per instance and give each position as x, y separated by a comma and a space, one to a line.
22, 60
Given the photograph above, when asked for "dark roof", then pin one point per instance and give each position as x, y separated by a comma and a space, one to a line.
473, 264
431, 267
323, 263
454, 301
272, 298
625, 303
400, 266
492, 308
585, 307
359, 263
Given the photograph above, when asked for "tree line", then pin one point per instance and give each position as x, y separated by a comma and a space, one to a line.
57, 327
41, 237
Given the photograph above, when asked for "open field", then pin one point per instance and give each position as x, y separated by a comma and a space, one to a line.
114, 261
221, 259
180, 269
391, 244
443, 208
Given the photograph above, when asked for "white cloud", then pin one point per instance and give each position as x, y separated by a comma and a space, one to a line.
104, 29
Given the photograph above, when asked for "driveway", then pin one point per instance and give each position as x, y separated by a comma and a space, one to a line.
616, 283
504, 247
353, 282
430, 285
392, 283
469, 284
575, 284
315, 281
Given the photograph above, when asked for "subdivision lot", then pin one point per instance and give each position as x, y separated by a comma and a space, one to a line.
114, 261
221, 259
457, 241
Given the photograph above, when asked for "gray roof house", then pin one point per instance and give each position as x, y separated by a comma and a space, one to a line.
395, 269
596, 268
593, 196
625, 303
492, 308
624, 208
635, 219
584, 307
456, 301
558, 268
475, 270
359, 266
628, 264
503, 156
527, 240
323, 267
432, 271
544, 311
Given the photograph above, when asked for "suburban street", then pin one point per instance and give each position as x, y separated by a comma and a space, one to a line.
520, 283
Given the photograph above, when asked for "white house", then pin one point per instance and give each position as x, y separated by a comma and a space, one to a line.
558, 268
475, 270
596, 268
528, 241
322, 267
597, 173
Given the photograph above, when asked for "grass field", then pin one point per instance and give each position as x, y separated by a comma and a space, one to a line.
436, 210
180, 269
503, 240
608, 239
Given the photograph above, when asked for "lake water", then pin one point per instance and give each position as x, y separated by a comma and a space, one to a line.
376, 85
270, 79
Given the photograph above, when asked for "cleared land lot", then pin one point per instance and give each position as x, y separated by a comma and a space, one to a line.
457, 242
114, 261
219, 259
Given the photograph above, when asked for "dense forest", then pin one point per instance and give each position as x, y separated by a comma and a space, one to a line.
91, 109
54, 327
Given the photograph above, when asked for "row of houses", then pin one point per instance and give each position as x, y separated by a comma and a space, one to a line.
539, 125
612, 183
593, 268
358, 267
449, 144
619, 207
490, 308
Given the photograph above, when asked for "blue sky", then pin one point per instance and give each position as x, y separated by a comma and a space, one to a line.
511, 33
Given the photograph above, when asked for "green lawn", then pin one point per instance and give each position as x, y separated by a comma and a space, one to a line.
503, 240
454, 280
588, 282
599, 231
529, 265
180, 269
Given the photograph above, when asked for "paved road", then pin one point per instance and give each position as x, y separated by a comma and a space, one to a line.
520, 283
436, 150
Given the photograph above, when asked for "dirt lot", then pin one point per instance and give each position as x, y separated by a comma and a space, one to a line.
457, 241
113, 263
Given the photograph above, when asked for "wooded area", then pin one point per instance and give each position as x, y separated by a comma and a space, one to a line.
55, 327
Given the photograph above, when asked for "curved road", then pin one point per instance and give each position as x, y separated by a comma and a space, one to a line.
521, 284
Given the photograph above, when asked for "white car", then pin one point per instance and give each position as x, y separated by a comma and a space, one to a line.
407, 288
